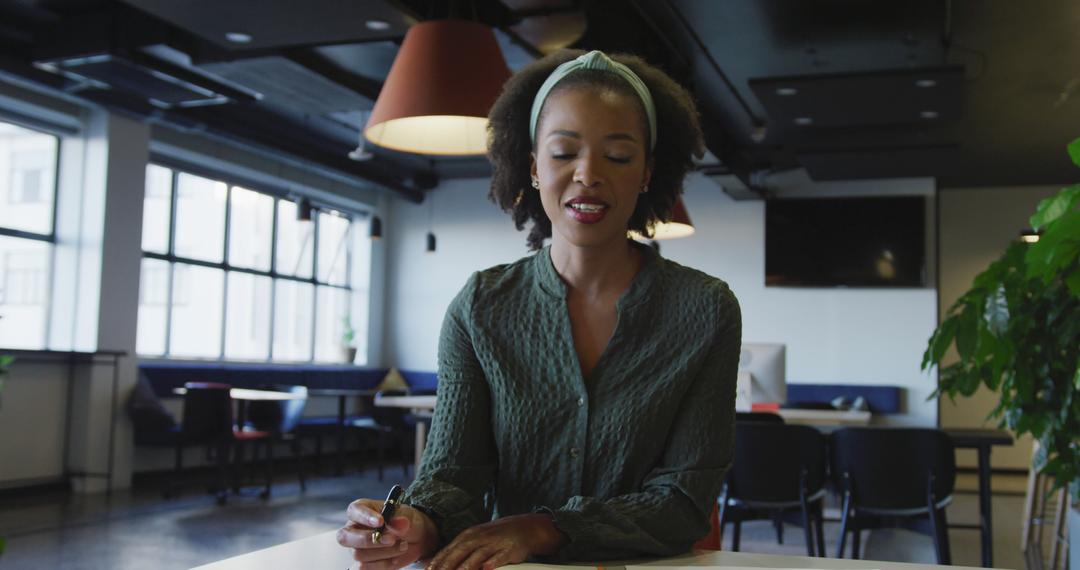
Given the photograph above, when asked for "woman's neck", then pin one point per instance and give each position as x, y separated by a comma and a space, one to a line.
598, 270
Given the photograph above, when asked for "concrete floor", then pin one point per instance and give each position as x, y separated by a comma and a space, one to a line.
138, 529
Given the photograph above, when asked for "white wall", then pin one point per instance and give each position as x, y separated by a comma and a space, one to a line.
854, 336
472, 234
977, 224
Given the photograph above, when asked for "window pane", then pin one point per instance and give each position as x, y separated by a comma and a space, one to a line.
156, 205
196, 317
247, 323
251, 222
294, 242
333, 250
24, 292
200, 218
27, 179
332, 312
292, 320
153, 307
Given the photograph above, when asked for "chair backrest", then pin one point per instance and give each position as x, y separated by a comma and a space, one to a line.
768, 417
278, 416
772, 458
208, 415
888, 469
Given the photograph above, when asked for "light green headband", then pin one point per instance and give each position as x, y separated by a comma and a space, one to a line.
595, 60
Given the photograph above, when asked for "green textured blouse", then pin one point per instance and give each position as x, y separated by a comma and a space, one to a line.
630, 460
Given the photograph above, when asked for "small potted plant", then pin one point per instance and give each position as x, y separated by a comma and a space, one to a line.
1017, 332
348, 334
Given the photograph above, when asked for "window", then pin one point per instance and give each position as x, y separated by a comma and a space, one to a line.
230, 273
28, 163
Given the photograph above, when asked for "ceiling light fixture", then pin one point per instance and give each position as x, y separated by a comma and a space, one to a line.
1029, 235
377, 25
238, 37
924, 83
787, 91
376, 228
804, 121
929, 114
436, 98
304, 209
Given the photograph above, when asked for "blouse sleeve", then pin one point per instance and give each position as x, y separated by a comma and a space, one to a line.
458, 467
671, 510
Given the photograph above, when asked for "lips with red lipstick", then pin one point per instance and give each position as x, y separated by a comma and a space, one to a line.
586, 210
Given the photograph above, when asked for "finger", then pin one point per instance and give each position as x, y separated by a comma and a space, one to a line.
361, 513
399, 526
451, 557
363, 538
478, 557
380, 565
500, 558
376, 554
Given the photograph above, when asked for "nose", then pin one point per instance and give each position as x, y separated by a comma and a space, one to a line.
588, 172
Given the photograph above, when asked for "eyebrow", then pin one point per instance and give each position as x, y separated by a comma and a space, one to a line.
576, 135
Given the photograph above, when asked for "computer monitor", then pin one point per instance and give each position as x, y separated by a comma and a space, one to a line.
766, 364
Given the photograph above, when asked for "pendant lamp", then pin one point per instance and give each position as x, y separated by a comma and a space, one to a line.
441, 86
678, 226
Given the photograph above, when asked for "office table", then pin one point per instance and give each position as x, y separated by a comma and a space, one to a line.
421, 405
323, 552
244, 395
342, 394
981, 440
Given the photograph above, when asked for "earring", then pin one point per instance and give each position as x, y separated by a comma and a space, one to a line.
644, 188
536, 183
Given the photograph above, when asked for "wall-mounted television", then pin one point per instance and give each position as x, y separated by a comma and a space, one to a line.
846, 242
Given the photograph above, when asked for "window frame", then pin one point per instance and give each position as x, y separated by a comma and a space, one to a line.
49, 238
172, 259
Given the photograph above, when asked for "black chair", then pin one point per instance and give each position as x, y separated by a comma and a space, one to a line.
207, 420
279, 418
779, 470
389, 425
894, 477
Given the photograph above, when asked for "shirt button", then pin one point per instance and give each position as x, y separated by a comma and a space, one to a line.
573, 452
580, 402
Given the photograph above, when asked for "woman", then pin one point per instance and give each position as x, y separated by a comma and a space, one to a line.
586, 393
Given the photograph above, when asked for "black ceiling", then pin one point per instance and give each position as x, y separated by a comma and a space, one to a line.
972, 92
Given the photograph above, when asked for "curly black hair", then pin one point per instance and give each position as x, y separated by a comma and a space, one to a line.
678, 138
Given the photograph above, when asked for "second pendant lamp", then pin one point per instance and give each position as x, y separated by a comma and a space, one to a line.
441, 86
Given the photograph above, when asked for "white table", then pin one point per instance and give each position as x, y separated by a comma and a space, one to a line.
791, 416
420, 405
323, 552
250, 395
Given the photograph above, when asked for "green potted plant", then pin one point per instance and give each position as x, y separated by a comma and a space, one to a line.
1017, 332
348, 334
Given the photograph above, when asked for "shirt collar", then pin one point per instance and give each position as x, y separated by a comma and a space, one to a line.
651, 266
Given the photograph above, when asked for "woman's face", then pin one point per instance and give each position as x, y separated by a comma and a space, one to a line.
591, 163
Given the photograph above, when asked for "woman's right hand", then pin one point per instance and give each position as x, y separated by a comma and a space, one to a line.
410, 535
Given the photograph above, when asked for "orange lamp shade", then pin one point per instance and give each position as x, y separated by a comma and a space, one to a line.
436, 98
678, 226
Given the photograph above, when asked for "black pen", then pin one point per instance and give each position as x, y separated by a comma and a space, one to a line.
388, 508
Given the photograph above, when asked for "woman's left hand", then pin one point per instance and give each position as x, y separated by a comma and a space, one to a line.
503, 541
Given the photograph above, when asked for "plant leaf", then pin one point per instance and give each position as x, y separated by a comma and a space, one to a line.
1053, 207
997, 312
966, 333
1074, 151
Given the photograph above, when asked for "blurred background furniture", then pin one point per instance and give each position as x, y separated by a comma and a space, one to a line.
894, 477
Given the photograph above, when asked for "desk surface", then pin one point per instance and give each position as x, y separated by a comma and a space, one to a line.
415, 402
253, 395
323, 552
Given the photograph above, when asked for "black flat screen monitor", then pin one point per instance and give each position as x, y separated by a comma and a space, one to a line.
845, 242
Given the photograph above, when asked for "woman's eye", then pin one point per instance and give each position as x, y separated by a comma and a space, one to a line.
562, 156
619, 159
